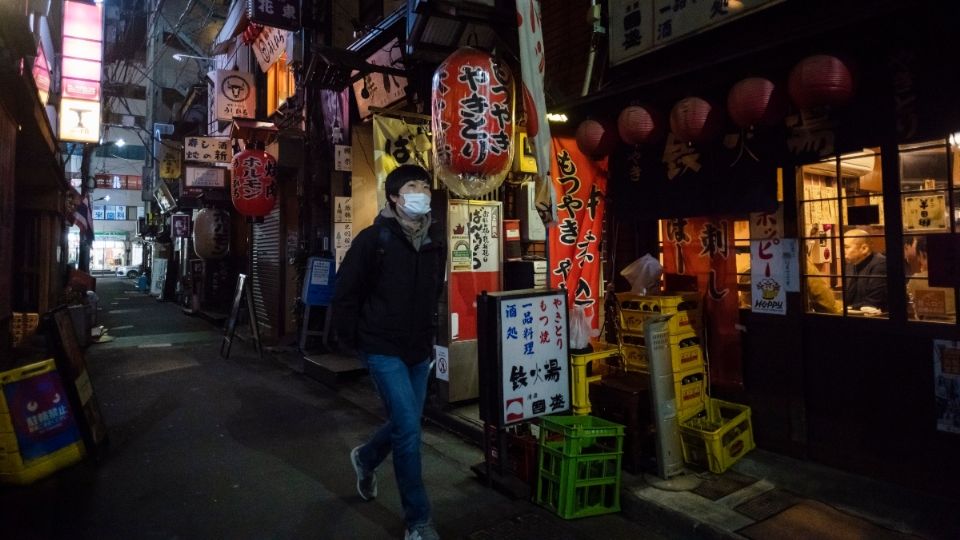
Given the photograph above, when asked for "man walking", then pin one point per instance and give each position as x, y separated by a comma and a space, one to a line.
386, 308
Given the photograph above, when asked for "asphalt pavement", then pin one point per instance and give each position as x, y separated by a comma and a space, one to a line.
206, 447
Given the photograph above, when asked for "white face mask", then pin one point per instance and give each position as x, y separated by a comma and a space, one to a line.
416, 204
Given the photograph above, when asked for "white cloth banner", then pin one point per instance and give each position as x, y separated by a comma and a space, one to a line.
531, 68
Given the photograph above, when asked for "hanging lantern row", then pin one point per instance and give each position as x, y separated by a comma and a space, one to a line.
815, 81
473, 121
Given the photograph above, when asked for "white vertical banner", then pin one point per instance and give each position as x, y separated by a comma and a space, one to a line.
532, 62
768, 276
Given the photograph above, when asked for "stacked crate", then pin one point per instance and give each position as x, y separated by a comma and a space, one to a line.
686, 353
579, 473
23, 325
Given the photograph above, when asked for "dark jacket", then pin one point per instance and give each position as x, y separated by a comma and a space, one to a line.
390, 310
866, 283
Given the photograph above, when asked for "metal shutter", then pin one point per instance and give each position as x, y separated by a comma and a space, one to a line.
265, 272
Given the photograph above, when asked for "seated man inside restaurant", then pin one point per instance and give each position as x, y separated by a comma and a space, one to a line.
865, 283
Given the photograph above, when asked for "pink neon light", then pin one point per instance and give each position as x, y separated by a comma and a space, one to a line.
83, 20
81, 48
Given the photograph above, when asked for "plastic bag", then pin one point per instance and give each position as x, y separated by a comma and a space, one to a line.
580, 330
643, 274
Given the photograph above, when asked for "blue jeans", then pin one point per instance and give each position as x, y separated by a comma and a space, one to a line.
403, 389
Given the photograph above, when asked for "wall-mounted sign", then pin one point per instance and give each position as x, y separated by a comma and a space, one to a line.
234, 94
946, 380
79, 120
205, 177
270, 46
207, 149
180, 223
81, 69
924, 212
343, 210
640, 26
170, 162
382, 89
277, 13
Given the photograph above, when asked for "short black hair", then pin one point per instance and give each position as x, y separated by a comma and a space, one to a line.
403, 174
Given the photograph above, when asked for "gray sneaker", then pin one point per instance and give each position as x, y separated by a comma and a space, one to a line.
421, 532
366, 480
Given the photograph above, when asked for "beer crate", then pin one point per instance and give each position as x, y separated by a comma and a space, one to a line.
685, 308
719, 438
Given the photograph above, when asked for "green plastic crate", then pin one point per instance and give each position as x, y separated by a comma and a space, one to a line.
579, 466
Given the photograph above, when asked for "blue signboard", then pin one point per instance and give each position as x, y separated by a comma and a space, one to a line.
318, 282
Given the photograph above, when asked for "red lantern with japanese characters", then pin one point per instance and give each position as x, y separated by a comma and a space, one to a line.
694, 120
254, 186
638, 125
756, 101
820, 80
596, 139
473, 118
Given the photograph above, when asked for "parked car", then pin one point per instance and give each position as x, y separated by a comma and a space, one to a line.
130, 271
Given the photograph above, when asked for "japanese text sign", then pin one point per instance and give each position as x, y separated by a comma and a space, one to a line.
535, 376
81, 70
650, 24
205, 177
580, 185
277, 13
207, 149
270, 46
171, 164
394, 145
233, 94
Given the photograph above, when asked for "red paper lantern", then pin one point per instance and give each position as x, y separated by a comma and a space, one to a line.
473, 121
694, 120
254, 186
756, 102
638, 125
596, 139
820, 80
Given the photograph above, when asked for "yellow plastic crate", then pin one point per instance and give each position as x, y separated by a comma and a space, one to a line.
685, 352
719, 438
691, 392
42, 434
685, 307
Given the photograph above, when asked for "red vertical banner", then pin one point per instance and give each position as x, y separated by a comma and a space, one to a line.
703, 247
580, 185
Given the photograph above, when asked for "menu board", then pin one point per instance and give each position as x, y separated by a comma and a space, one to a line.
523, 353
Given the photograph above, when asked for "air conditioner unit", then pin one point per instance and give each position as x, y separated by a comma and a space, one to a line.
857, 166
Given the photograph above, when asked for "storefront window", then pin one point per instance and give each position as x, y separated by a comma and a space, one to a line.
741, 244
929, 204
843, 224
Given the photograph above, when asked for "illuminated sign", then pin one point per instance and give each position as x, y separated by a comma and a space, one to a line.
81, 70
79, 120
234, 94
41, 74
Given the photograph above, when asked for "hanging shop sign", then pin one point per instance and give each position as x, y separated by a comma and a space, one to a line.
581, 186
180, 223
81, 69
648, 25
381, 89
207, 149
397, 142
276, 13
205, 177
523, 356
703, 248
473, 120
233, 94
770, 273
269, 46
170, 160
254, 188
532, 62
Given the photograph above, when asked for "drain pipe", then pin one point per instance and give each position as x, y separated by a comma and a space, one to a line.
594, 19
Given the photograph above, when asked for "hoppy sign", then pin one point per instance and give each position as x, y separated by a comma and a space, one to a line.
472, 121
254, 188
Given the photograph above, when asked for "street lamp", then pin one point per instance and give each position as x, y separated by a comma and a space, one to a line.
104, 198
179, 57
